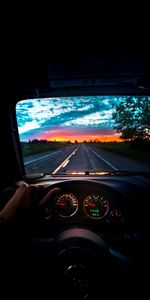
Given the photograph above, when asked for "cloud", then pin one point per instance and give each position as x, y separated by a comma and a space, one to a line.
35, 116
91, 120
28, 126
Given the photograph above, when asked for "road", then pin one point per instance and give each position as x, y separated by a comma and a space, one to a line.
79, 157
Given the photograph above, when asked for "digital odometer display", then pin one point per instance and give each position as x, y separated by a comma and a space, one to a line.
66, 205
96, 206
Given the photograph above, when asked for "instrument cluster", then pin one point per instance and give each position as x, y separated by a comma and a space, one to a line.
94, 206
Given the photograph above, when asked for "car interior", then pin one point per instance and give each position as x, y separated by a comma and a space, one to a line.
90, 241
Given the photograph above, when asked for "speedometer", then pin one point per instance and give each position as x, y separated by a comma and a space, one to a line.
96, 206
66, 205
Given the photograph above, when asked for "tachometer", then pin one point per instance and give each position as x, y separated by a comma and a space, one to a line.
96, 206
66, 205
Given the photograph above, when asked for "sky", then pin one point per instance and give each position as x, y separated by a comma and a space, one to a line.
67, 118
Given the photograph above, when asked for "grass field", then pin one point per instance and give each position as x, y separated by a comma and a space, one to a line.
126, 149
30, 149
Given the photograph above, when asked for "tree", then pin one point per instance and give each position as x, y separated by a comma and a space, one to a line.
145, 117
132, 117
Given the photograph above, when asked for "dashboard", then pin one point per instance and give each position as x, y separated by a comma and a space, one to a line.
110, 204
93, 226
113, 207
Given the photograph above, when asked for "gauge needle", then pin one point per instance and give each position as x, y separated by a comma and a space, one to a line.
90, 204
61, 204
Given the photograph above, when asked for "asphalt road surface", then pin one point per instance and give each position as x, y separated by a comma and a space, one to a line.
79, 157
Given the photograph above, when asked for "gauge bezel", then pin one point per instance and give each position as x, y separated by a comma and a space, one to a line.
60, 215
91, 217
116, 221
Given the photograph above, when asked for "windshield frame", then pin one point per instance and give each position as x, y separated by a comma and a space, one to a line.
87, 170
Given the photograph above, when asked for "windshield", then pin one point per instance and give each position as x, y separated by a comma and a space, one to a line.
85, 134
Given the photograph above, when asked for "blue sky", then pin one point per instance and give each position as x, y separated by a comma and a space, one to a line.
65, 118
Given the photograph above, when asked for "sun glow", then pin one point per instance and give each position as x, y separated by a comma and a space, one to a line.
82, 138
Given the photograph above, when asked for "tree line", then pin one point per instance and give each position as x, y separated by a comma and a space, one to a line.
132, 118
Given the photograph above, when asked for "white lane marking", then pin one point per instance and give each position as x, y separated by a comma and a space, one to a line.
39, 158
65, 162
106, 161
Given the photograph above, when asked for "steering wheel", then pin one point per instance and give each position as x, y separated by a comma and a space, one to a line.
83, 258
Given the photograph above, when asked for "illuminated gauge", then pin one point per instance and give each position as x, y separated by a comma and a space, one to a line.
95, 206
116, 216
66, 205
